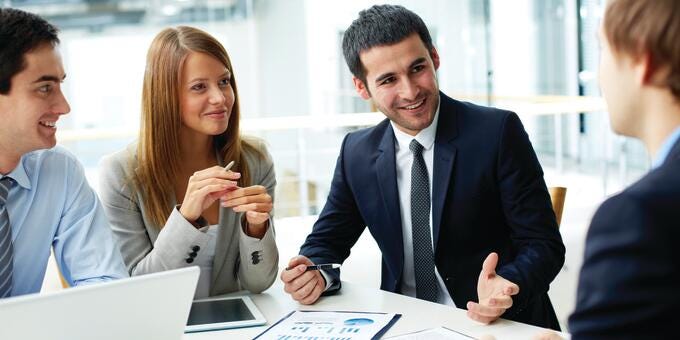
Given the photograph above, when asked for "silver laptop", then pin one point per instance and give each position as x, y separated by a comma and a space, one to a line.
153, 306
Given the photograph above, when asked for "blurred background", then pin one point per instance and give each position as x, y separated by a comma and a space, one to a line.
538, 58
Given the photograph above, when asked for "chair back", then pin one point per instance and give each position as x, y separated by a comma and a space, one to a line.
557, 195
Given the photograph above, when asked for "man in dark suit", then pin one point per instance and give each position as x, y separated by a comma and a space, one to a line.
629, 286
487, 209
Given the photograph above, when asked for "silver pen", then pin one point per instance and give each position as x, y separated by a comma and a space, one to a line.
229, 166
324, 266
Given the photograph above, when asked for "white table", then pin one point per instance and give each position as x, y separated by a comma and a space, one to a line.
416, 314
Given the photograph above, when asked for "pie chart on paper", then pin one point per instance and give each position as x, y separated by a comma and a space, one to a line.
358, 322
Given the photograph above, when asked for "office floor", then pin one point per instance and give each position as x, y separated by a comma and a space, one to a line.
584, 194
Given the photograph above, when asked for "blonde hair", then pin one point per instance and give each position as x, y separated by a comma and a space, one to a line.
158, 161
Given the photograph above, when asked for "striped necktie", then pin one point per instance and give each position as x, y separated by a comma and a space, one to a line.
6, 251
423, 255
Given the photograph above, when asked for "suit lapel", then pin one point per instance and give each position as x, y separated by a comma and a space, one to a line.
444, 158
386, 171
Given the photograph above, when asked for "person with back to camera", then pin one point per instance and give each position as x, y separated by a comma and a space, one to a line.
631, 268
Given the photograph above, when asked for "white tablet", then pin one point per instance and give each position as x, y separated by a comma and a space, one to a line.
222, 313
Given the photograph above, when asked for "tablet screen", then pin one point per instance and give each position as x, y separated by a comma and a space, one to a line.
218, 311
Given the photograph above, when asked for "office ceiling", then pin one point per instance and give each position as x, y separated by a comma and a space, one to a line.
97, 15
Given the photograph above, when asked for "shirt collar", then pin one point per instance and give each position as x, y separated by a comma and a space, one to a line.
19, 175
665, 148
425, 136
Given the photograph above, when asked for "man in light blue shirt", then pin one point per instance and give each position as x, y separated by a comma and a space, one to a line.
45, 200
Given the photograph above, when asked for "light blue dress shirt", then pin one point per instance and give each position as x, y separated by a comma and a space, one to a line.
51, 204
665, 148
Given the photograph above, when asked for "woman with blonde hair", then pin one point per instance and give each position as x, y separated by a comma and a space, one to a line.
170, 199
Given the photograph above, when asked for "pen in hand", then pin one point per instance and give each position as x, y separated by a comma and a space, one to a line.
324, 266
229, 166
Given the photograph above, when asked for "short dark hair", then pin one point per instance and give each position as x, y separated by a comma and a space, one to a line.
20, 33
378, 26
637, 26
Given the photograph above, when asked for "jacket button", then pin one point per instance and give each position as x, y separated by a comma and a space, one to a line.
195, 248
256, 257
189, 260
193, 254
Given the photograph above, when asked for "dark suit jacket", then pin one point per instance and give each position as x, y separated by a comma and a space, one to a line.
629, 287
488, 196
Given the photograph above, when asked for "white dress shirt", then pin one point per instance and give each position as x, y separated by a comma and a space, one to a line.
404, 160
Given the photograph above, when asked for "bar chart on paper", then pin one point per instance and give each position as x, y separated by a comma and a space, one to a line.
321, 325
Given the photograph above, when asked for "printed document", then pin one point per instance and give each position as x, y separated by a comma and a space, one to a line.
328, 325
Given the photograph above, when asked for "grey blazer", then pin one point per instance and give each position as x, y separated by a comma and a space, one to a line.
240, 262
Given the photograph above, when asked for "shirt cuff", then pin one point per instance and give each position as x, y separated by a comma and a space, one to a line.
329, 281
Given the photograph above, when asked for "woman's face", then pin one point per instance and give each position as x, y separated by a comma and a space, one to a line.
206, 96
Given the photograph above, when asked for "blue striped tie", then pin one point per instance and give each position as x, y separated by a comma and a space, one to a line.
6, 251
423, 256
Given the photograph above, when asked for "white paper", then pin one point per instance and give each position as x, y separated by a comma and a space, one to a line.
313, 325
441, 333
